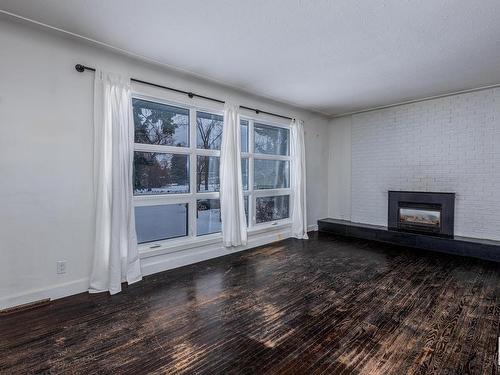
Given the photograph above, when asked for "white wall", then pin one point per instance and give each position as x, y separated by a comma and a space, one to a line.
449, 145
46, 157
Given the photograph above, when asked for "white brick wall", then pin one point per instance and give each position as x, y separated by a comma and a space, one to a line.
449, 145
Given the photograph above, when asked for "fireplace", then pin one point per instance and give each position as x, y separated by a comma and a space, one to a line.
422, 212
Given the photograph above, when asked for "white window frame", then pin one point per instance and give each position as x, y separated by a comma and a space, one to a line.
193, 196
252, 193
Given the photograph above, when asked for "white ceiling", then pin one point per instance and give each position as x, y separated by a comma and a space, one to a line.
332, 56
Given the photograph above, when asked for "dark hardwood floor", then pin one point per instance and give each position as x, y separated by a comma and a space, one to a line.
323, 306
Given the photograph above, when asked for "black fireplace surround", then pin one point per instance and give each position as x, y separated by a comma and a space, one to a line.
422, 212
420, 220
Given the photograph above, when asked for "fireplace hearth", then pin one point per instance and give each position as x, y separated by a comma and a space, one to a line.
422, 212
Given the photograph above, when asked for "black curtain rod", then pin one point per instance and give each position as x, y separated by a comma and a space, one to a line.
257, 111
81, 68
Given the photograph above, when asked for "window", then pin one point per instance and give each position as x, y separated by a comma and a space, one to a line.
270, 140
160, 173
208, 130
244, 173
244, 135
208, 216
207, 173
271, 174
176, 170
161, 222
160, 124
265, 165
272, 208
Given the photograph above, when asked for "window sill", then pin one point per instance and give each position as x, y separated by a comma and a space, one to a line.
177, 245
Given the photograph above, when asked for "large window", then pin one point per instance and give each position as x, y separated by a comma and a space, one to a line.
176, 170
265, 165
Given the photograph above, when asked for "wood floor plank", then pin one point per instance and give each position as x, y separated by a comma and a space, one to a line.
323, 306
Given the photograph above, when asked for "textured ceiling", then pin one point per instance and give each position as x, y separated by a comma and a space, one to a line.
326, 55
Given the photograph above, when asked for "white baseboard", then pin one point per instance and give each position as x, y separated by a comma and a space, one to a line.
152, 265
52, 292
149, 266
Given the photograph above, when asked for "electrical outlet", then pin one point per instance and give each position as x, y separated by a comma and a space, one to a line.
61, 267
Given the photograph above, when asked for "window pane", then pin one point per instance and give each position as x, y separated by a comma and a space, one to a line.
271, 140
155, 223
244, 173
160, 124
158, 173
207, 174
208, 216
271, 174
244, 135
272, 208
208, 130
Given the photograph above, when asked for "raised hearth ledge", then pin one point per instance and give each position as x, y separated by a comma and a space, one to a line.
464, 246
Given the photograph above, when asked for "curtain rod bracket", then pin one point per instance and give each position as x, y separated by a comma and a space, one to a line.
191, 95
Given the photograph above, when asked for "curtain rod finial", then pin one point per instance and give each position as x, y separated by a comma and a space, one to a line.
79, 68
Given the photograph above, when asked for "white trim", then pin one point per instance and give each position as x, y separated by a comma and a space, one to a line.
160, 263
271, 157
158, 199
53, 292
157, 260
177, 244
259, 193
142, 147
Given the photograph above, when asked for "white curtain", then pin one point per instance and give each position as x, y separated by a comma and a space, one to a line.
298, 180
116, 256
234, 229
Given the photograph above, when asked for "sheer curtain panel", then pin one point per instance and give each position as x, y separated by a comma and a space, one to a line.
234, 230
298, 180
116, 257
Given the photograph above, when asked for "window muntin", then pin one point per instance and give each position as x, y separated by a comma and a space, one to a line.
208, 130
161, 222
272, 208
271, 174
208, 219
160, 124
271, 140
160, 173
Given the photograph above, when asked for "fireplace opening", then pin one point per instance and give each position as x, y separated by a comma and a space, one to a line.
422, 212
419, 217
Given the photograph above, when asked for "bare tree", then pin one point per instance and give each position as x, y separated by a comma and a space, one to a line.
209, 137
